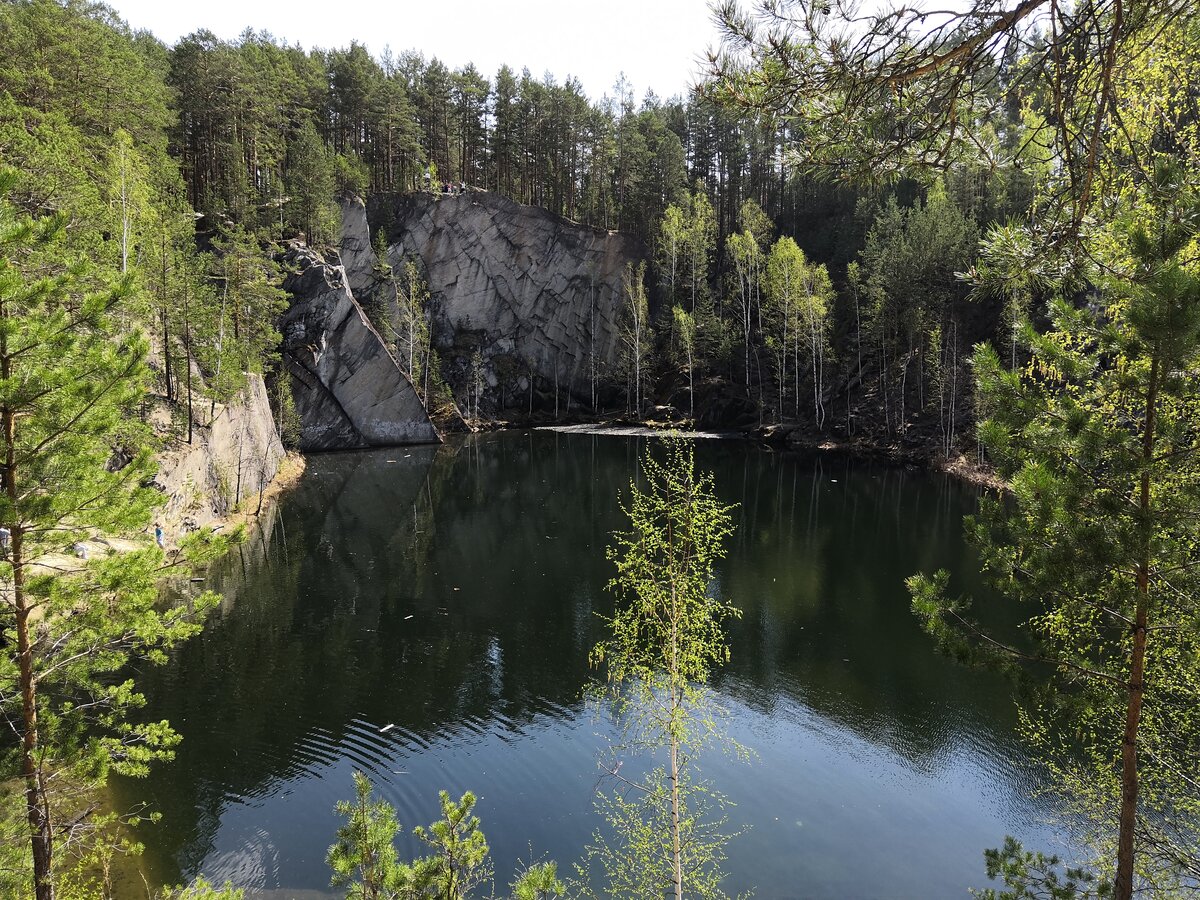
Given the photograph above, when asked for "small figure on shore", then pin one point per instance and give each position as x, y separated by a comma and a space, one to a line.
5, 540
158, 537
81, 550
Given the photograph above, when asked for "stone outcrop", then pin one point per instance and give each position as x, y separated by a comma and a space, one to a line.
517, 293
230, 460
357, 251
348, 389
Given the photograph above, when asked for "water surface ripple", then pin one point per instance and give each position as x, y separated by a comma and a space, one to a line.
424, 615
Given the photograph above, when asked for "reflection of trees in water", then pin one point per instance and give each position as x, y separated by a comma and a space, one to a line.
456, 587
822, 552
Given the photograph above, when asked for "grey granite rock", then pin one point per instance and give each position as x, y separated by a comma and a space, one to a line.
349, 392
528, 293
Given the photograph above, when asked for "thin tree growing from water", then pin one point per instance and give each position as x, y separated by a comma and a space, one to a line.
665, 637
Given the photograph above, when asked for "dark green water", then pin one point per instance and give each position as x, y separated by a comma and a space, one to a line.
452, 593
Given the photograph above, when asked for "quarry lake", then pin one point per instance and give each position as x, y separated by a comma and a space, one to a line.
424, 615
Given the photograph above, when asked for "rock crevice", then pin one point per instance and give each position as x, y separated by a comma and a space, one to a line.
348, 389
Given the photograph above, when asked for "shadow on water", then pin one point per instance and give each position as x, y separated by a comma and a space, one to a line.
425, 615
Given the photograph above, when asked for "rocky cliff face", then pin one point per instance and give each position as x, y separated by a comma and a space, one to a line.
526, 305
349, 392
229, 460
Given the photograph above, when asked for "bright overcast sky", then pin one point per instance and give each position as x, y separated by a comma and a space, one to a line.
656, 43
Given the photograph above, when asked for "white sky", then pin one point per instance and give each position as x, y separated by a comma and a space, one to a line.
656, 43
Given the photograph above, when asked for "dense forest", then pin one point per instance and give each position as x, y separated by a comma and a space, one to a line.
253, 140
967, 241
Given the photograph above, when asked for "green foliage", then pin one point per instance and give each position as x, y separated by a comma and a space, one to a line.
364, 855
909, 278
672, 247
1014, 270
746, 254
799, 297
634, 852
287, 418
1035, 876
887, 96
636, 338
81, 60
200, 889
459, 861
412, 333
701, 239
666, 635
127, 179
350, 176
539, 881
379, 244
71, 385
311, 184
686, 244
668, 621
235, 330
684, 329
1096, 437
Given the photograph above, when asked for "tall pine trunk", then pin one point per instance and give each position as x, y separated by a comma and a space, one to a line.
41, 835
1136, 686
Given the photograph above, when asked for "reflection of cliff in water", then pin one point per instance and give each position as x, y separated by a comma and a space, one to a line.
382, 591
452, 591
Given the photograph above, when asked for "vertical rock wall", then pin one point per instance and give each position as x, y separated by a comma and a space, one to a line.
349, 391
519, 290
228, 461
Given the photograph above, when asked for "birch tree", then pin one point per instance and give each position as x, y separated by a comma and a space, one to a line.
665, 637
636, 335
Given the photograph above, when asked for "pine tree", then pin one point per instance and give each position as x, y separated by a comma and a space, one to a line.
1096, 436
459, 860
74, 468
311, 186
238, 319
364, 855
